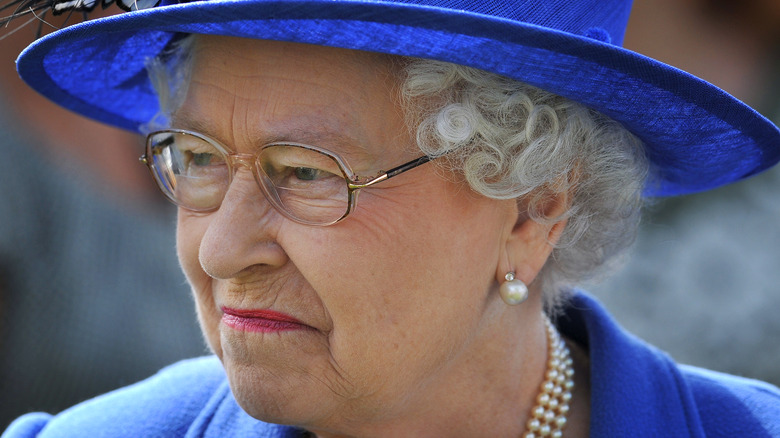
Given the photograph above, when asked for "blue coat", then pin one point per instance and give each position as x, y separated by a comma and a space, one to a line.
636, 391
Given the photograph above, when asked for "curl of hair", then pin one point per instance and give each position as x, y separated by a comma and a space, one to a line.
510, 140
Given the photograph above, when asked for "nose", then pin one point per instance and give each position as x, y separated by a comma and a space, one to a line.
241, 160
242, 233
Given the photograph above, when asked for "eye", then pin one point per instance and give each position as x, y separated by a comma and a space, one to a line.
202, 158
309, 173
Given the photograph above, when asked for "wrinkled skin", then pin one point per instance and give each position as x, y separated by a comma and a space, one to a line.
403, 332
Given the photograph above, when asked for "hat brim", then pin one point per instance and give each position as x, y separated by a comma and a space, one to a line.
697, 136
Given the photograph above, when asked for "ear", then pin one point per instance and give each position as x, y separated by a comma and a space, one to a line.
529, 243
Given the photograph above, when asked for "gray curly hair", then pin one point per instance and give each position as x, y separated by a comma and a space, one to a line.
509, 140
512, 140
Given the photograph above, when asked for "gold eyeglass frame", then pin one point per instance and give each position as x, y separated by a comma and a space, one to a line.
251, 162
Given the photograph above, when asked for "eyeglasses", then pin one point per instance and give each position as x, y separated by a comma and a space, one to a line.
306, 184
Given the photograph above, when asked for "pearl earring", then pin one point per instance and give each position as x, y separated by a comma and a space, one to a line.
513, 291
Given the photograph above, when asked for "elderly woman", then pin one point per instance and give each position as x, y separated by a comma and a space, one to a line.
520, 140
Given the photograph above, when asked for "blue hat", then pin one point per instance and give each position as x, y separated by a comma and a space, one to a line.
697, 136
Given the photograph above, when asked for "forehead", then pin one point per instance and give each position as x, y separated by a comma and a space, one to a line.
250, 92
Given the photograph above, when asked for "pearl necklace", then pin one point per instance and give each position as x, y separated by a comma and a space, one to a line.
548, 417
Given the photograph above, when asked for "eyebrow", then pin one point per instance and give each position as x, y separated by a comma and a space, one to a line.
180, 121
348, 147
327, 138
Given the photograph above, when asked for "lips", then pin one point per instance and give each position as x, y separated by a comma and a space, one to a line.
260, 320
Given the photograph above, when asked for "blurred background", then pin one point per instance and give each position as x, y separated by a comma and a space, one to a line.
91, 296
703, 282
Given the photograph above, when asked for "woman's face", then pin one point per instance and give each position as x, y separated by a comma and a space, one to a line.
363, 320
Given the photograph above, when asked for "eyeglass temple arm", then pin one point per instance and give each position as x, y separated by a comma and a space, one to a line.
407, 166
392, 172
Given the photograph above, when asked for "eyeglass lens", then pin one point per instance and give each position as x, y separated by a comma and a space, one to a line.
194, 173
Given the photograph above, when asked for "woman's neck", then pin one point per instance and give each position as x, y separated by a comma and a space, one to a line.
489, 390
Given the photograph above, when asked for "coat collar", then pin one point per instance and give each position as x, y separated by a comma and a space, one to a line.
636, 389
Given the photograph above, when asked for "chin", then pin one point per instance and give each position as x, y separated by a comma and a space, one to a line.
272, 398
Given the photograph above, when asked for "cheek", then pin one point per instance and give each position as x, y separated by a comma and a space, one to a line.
439, 239
189, 233
400, 287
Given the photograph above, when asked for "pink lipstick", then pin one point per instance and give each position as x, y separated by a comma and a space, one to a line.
261, 321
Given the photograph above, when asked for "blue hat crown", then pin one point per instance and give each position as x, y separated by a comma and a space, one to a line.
696, 136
